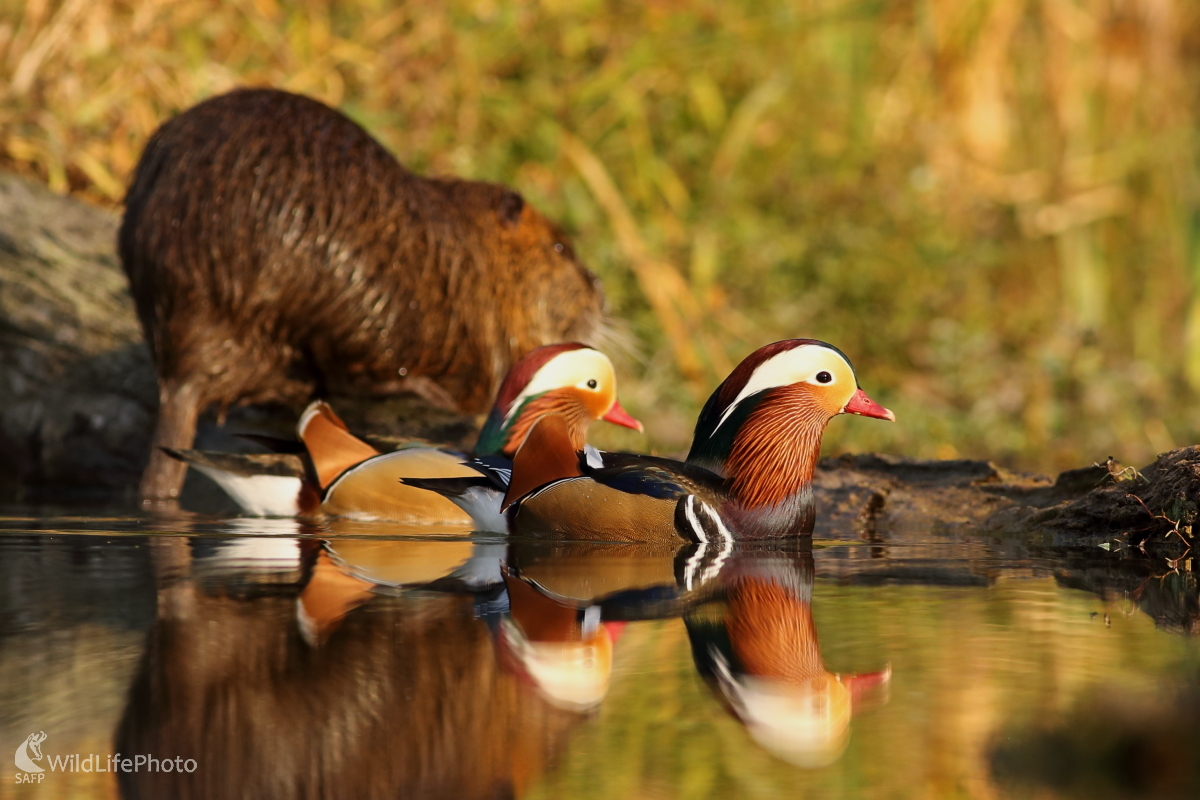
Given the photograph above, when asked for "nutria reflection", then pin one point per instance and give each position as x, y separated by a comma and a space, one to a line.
405, 696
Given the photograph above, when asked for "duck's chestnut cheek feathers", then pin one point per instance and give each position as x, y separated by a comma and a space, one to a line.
864, 406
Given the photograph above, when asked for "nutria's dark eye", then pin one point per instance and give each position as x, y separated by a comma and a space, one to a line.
558, 247
592, 383
824, 377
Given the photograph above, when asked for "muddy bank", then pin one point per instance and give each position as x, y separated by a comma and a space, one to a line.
873, 494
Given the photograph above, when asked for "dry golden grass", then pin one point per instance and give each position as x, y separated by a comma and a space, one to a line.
990, 204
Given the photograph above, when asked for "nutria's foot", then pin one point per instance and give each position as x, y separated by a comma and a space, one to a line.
162, 481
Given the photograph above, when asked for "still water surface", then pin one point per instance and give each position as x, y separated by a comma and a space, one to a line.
373, 661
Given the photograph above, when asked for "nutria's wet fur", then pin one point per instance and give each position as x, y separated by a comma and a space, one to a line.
275, 249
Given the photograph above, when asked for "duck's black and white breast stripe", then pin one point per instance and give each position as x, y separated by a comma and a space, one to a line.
698, 521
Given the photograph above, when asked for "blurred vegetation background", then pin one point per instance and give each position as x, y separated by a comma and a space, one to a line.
990, 205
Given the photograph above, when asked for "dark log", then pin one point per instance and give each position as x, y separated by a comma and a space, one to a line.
76, 386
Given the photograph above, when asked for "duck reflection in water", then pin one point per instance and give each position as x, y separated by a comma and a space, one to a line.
748, 612
386, 675
562, 650
755, 643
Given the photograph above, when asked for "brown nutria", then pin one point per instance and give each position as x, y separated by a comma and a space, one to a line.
275, 249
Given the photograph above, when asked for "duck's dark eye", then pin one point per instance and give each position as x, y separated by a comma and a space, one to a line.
592, 383
824, 377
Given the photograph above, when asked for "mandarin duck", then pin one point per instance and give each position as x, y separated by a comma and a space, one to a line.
345, 477
748, 474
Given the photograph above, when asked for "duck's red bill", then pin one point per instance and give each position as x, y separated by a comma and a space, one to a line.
866, 407
619, 416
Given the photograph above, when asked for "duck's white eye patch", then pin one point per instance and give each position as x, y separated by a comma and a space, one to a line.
801, 364
824, 377
571, 368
